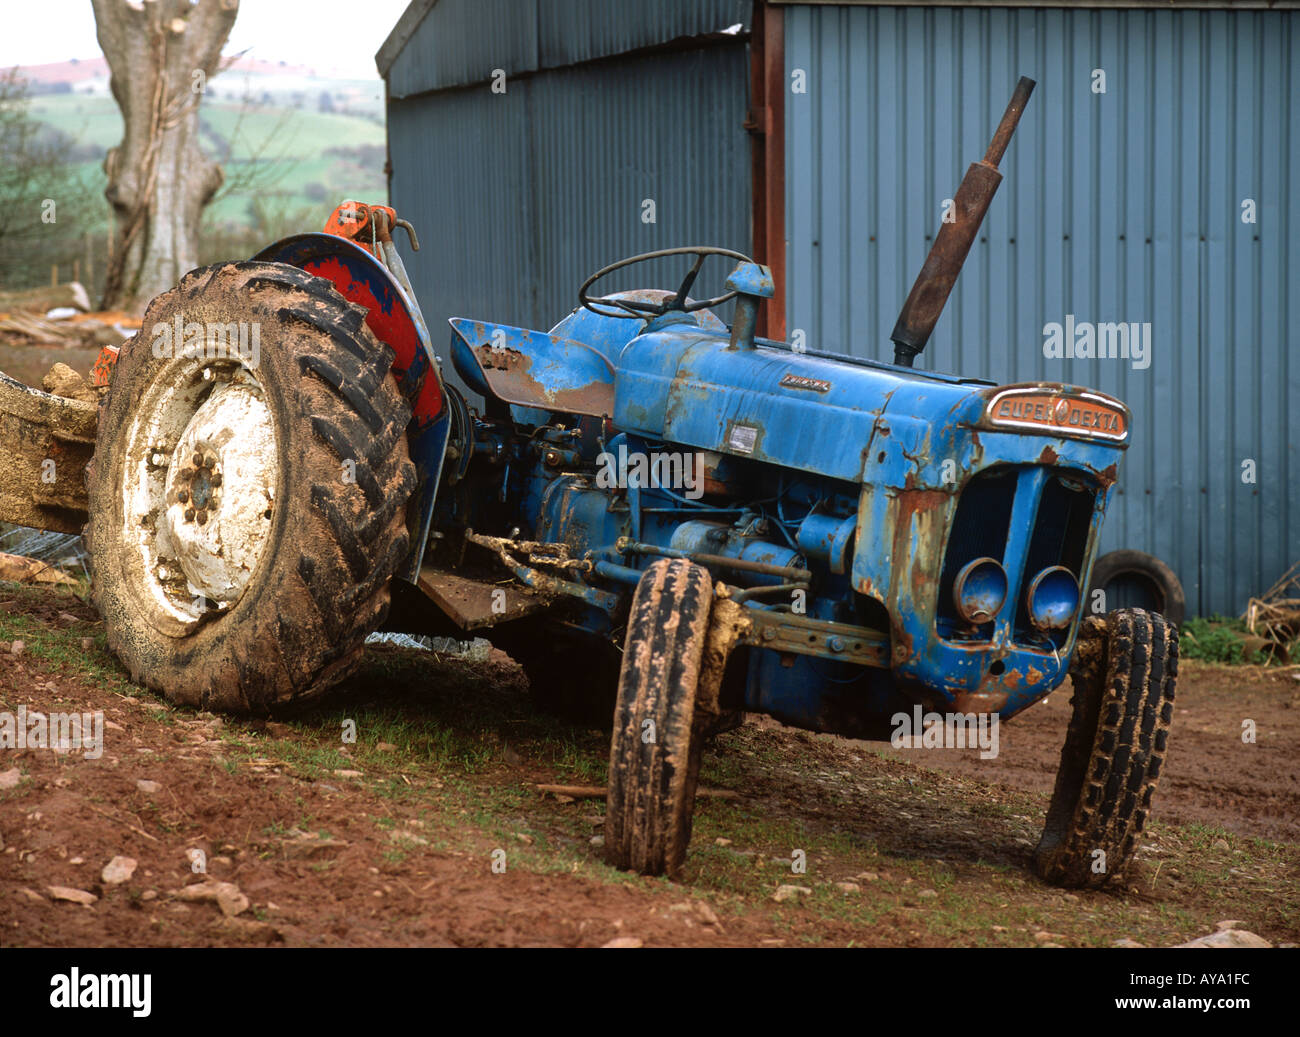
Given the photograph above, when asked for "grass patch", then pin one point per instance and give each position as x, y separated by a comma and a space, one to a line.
1217, 639
60, 648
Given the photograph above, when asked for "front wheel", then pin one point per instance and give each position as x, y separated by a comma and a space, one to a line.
248, 489
1124, 671
654, 758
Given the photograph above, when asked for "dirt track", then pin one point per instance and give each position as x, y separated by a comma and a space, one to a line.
1212, 778
391, 840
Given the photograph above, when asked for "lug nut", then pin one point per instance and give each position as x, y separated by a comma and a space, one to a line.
215, 479
182, 495
210, 461
189, 514
198, 459
202, 517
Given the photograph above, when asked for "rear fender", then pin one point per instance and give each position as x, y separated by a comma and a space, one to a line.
393, 318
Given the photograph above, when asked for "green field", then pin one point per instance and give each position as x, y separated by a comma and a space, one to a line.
288, 150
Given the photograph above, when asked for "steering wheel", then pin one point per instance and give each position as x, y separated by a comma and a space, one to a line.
635, 308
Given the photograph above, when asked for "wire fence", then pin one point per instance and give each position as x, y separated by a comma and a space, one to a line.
64, 551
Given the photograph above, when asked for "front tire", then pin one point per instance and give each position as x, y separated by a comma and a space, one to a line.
654, 758
1124, 671
248, 506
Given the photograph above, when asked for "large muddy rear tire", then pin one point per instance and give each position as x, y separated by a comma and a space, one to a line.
654, 758
248, 506
1124, 671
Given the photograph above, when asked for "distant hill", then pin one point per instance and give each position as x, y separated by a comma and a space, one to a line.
293, 144
271, 82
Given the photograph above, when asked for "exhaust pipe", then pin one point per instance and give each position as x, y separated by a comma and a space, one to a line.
934, 283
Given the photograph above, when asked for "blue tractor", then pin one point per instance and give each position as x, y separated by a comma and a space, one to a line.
654, 511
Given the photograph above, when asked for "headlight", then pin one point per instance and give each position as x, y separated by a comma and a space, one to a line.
1053, 598
979, 590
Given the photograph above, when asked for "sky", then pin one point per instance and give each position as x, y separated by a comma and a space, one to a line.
336, 37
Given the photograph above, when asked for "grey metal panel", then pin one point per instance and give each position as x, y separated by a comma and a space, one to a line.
1123, 206
407, 22
666, 129
462, 42
574, 31
458, 177
518, 197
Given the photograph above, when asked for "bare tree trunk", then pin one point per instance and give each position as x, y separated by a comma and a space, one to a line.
160, 54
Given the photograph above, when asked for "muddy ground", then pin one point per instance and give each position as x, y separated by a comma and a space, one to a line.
392, 839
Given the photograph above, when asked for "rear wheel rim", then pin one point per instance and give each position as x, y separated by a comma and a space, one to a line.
199, 487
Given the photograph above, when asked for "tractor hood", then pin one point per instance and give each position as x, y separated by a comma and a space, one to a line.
840, 418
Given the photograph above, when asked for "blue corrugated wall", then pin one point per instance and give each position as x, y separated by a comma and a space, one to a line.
1117, 206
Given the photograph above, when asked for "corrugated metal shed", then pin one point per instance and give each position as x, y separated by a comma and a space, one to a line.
1122, 206
519, 196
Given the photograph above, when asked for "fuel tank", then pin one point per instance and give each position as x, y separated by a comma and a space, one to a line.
811, 413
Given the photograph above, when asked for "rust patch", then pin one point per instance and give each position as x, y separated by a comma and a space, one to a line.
474, 604
501, 358
1049, 456
516, 384
979, 701
903, 647
910, 542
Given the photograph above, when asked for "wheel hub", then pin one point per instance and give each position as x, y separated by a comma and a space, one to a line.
200, 487
218, 528
203, 479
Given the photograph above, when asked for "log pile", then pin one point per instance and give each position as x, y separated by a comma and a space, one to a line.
59, 315
18, 569
41, 300
1274, 616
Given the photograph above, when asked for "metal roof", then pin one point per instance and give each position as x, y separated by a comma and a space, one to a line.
440, 44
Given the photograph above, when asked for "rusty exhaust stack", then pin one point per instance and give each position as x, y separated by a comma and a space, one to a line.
934, 283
